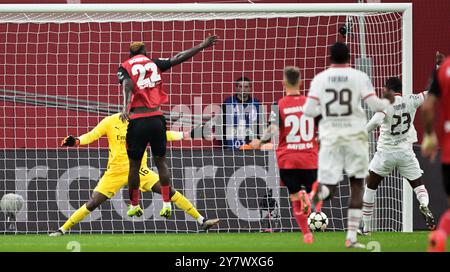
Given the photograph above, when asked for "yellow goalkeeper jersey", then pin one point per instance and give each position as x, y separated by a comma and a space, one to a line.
116, 132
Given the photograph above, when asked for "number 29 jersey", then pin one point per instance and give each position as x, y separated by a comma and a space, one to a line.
298, 147
339, 90
145, 73
397, 130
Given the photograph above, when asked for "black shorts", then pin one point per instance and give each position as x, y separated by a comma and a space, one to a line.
143, 131
294, 179
446, 177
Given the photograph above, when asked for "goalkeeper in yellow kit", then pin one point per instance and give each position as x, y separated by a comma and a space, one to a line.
116, 174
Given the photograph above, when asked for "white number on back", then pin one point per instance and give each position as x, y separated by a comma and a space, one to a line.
302, 128
141, 70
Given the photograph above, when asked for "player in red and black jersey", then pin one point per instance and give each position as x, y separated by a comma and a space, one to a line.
143, 92
439, 90
297, 149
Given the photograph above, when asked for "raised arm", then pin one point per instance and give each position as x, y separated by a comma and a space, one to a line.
89, 137
187, 54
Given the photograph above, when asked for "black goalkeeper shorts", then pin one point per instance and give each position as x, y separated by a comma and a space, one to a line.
446, 177
143, 131
294, 179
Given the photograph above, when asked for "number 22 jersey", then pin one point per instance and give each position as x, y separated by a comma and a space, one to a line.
145, 73
298, 147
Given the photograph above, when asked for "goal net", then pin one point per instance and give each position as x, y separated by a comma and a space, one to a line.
59, 78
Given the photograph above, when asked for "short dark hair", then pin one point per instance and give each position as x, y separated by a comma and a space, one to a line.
292, 75
394, 83
339, 53
243, 78
137, 48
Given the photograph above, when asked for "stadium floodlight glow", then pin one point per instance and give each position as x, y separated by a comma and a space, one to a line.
60, 62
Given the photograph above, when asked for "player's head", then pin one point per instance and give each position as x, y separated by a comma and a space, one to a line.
339, 53
393, 84
243, 88
137, 48
291, 78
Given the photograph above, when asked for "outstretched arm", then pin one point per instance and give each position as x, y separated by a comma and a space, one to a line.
89, 137
187, 54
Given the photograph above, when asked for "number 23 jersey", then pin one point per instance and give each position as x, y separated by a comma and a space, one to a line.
298, 147
397, 129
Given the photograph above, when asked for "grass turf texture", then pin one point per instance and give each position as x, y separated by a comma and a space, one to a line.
215, 242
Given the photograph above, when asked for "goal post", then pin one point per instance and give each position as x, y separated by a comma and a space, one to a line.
60, 63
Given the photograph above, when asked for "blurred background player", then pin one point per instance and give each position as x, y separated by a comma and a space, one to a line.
116, 174
297, 149
336, 94
439, 90
143, 93
241, 116
395, 150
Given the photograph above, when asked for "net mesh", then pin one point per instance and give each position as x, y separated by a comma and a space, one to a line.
59, 78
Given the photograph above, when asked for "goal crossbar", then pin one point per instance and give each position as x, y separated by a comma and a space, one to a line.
204, 8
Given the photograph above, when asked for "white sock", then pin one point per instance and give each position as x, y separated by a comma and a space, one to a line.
324, 192
368, 206
354, 218
422, 195
167, 204
200, 219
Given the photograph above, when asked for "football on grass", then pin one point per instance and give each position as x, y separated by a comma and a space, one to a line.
317, 221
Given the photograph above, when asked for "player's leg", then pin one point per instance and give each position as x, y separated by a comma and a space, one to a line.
409, 168
381, 166
184, 204
299, 184
373, 180
105, 189
158, 142
438, 238
329, 172
137, 141
356, 159
423, 199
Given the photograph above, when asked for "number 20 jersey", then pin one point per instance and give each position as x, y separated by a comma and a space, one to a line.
298, 147
339, 90
397, 130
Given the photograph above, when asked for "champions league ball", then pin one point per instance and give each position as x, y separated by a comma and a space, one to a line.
317, 221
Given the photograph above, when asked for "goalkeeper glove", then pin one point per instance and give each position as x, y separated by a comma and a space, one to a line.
70, 141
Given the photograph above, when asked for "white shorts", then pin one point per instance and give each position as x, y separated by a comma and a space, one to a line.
383, 163
351, 157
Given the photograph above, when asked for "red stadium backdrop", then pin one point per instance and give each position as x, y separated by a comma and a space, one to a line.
20, 131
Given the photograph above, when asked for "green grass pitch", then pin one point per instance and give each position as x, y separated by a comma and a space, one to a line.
215, 242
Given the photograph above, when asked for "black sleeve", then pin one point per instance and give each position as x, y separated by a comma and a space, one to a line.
122, 74
434, 85
163, 64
